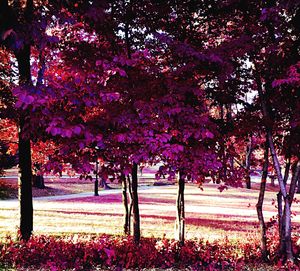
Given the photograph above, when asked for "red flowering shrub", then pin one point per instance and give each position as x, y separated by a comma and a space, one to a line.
88, 252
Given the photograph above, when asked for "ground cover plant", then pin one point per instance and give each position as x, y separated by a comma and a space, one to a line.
85, 252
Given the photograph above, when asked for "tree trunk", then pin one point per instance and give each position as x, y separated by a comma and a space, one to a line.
103, 184
38, 181
96, 186
96, 183
285, 247
287, 170
272, 177
25, 184
295, 179
135, 202
259, 205
223, 174
130, 205
286, 228
125, 204
180, 215
280, 217
25, 178
249, 151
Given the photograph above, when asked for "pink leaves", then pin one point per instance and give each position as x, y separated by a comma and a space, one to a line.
77, 130
122, 73
121, 138
53, 130
58, 127
209, 134
24, 98
176, 148
293, 78
163, 138
110, 97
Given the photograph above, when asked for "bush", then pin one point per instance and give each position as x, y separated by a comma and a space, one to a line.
107, 252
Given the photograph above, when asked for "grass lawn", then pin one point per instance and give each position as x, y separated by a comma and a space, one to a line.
210, 214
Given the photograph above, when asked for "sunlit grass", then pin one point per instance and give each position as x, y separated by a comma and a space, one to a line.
209, 214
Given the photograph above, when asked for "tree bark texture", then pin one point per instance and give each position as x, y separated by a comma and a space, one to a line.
259, 205
96, 183
180, 215
294, 181
25, 182
249, 150
223, 174
38, 181
135, 204
25, 169
280, 216
287, 170
125, 204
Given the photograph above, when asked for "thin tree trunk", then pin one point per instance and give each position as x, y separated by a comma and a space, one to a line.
96, 184
288, 253
285, 247
249, 151
25, 178
103, 184
223, 173
259, 205
125, 204
38, 181
286, 229
287, 170
295, 178
277, 165
131, 204
231, 122
180, 215
135, 207
272, 177
280, 217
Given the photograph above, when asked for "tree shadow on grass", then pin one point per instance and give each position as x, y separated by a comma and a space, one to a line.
114, 198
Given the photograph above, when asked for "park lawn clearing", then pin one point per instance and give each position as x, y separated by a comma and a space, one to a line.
76, 223
63, 185
210, 214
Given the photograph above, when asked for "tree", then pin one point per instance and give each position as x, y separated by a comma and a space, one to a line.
21, 29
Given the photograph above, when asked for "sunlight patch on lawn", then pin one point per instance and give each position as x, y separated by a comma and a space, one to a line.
209, 213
